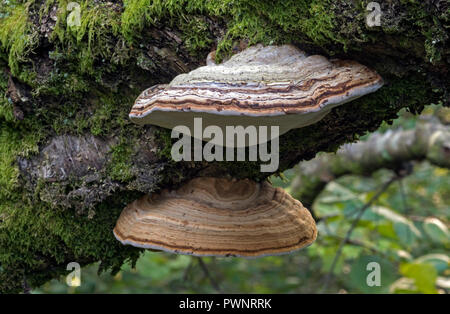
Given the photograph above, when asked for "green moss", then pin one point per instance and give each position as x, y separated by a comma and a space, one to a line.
62, 83
263, 21
103, 27
6, 106
15, 141
164, 142
134, 17
91, 41
119, 168
69, 238
109, 112
430, 27
17, 37
195, 35
9, 148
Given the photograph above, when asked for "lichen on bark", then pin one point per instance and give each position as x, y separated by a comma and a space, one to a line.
66, 92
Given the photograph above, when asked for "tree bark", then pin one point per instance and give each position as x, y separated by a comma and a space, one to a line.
71, 159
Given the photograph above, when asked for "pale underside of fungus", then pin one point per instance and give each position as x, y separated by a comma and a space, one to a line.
260, 86
218, 217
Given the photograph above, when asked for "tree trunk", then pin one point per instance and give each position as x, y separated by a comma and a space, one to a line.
69, 157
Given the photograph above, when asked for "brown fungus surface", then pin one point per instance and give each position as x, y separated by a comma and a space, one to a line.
218, 217
262, 85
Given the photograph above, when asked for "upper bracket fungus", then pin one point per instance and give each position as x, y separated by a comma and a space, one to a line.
260, 86
220, 217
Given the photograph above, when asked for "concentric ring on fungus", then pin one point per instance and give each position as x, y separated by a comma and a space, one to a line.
270, 86
220, 217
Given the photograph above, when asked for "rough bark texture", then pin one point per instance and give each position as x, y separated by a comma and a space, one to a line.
69, 157
430, 141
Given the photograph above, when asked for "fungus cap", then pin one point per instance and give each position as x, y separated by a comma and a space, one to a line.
270, 86
220, 217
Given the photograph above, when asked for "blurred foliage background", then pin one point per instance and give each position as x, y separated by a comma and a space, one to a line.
405, 231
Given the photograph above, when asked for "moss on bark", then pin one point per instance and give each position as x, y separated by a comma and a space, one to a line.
80, 81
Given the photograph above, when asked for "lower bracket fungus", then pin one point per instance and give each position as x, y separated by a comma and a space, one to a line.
260, 86
218, 217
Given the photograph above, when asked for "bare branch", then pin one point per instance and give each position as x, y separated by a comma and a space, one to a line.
208, 275
346, 239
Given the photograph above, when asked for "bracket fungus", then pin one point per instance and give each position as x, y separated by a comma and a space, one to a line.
260, 86
219, 217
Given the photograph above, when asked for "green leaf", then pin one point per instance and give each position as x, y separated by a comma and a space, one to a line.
436, 230
387, 230
337, 193
404, 233
404, 228
423, 274
440, 261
